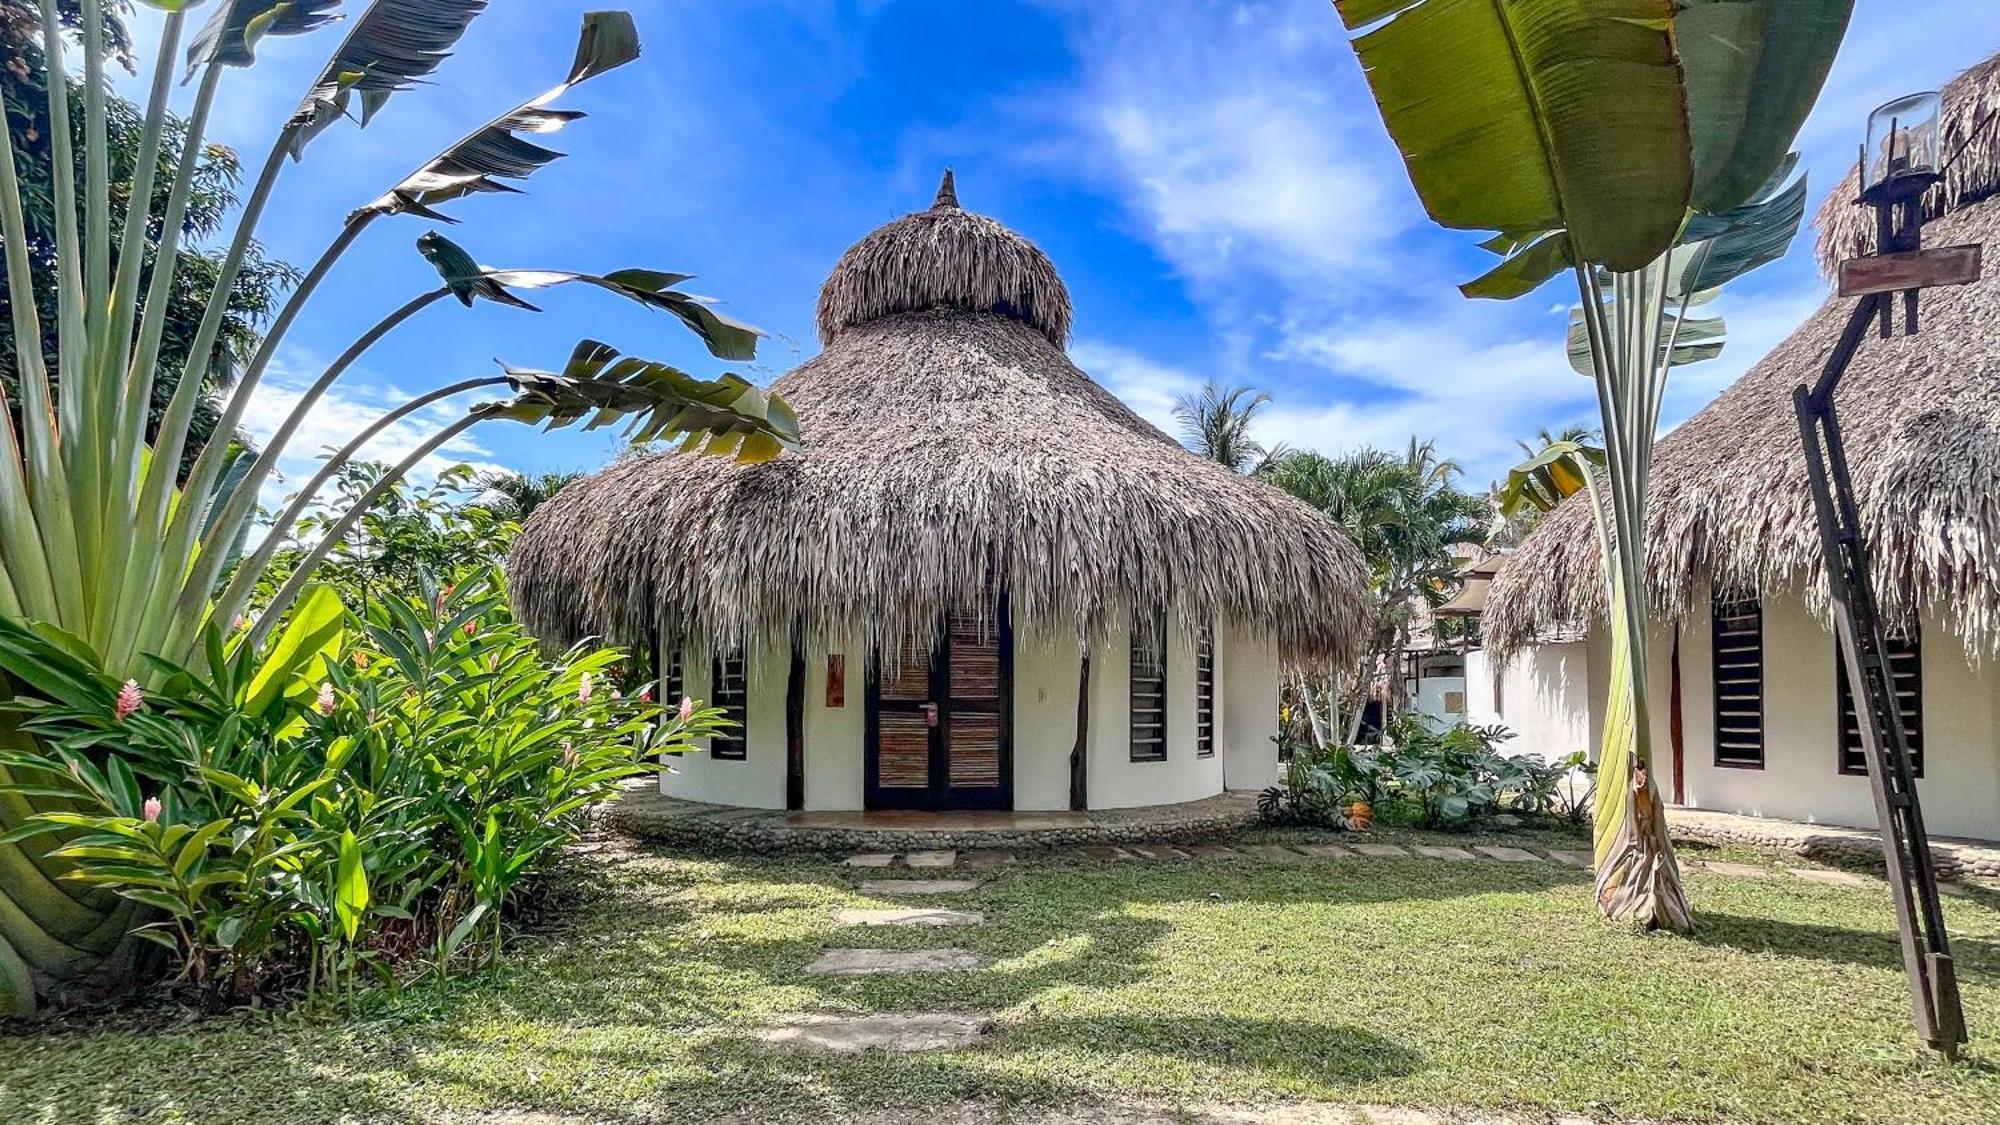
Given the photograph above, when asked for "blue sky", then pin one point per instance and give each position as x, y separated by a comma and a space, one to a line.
1211, 178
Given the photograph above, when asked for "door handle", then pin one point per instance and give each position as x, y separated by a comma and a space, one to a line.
930, 714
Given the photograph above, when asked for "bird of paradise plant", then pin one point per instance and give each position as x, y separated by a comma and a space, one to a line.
103, 543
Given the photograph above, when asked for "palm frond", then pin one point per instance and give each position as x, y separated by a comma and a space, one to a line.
494, 153
393, 46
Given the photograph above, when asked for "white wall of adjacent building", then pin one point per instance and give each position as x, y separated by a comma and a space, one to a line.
1552, 697
1047, 674
1542, 694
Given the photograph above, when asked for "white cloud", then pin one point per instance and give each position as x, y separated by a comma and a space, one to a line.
1146, 386
342, 414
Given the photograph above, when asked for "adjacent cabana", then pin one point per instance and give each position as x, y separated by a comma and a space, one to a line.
1762, 723
984, 582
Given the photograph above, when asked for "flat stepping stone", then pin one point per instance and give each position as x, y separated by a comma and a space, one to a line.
908, 916
1272, 851
851, 1034
1326, 851
931, 859
1158, 853
1572, 857
886, 887
1738, 870
988, 857
1433, 851
1382, 851
1214, 851
1832, 878
870, 962
1104, 854
1510, 855
870, 859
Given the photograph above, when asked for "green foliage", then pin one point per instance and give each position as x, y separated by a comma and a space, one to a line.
409, 534
1215, 424
362, 796
1447, 778
259, 283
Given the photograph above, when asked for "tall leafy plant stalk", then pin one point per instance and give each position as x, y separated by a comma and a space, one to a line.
99, 537
1606, 131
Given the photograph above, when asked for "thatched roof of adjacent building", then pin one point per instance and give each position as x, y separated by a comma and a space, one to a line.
1921, 420
950, 449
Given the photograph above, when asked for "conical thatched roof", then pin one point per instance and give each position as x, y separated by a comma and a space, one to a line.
1921, 421
949, 449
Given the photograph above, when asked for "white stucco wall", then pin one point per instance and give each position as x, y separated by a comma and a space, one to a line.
835, 737
1801, 778
1116, 781
1247, 701
758, 781
1046, 674
1542, 694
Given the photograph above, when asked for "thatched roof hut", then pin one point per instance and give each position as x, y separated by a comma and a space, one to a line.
950, 450
1921, 419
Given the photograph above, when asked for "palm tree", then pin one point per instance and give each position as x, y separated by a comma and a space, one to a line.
1215, 424
1406, 513
517, 495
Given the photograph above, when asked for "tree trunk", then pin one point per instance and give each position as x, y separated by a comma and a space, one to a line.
1638, 878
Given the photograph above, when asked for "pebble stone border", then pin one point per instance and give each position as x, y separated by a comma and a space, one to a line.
1833, 844
646, 813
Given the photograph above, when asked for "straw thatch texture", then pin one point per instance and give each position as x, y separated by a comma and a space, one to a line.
946, 454
946, 257
1921, 419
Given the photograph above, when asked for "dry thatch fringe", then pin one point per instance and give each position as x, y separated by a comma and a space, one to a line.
948, 454
1971, 146
945, 257
1730, 506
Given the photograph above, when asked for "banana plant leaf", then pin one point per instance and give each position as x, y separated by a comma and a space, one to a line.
494, 153
393, 46
468, 280
1500, 111
1719, 249
1754, 69
233, 32
726, 417
1548, 478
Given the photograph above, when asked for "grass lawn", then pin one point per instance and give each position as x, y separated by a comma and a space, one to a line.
1465, 986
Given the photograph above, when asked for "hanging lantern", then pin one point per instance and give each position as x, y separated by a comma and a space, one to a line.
1904, 154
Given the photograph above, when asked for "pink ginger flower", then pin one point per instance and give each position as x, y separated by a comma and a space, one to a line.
241, 623
583, 689
152, 808
687, 708
471, 628
130, 699
326, 698
616, 695
646, 694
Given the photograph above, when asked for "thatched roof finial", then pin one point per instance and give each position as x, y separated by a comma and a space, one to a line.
947, 195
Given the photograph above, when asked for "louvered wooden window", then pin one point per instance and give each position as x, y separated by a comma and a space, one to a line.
1738, 625
1906, 671
1149, 689
730, 691
674, 678
1204, 696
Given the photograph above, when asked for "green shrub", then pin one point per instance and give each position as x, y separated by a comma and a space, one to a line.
362, 797
1436, 778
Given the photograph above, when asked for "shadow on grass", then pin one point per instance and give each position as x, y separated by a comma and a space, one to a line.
1975, 957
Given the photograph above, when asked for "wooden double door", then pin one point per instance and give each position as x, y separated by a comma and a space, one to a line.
940, 723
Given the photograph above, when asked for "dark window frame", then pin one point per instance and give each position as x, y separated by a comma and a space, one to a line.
1735, 653
733, 744
1152, 748
1204, 695
1906, 660
673, 677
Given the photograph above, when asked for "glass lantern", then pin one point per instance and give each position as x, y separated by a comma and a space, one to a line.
1905, 151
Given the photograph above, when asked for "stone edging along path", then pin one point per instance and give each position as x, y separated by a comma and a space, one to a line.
1828, 843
